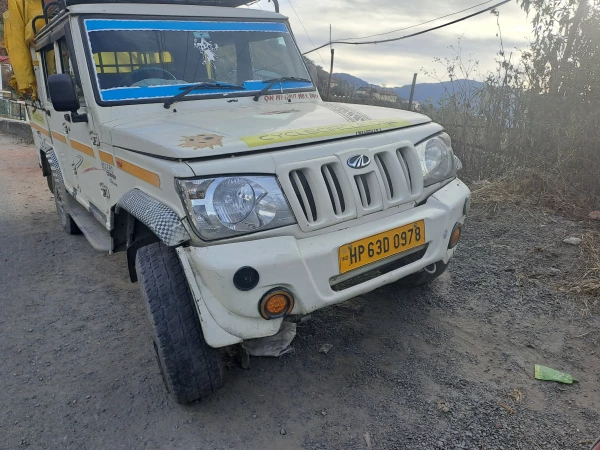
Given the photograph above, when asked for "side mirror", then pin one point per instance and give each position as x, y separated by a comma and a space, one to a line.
62, 92
64, 96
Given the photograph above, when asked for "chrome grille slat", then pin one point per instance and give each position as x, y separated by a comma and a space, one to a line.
334, 191
370, 192
308, 211
404, 165
362, 191
387, 180
393, 177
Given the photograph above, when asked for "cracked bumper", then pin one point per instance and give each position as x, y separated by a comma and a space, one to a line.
305, 267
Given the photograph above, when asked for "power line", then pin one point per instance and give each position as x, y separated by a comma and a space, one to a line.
410, 35
417, 25
309, 38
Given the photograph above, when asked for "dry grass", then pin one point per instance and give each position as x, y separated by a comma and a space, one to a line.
516, 396
530, 188
590, 254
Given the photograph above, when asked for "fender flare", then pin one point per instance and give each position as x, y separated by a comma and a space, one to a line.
158, 217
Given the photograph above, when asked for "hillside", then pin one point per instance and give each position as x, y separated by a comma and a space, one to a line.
423, 91
350, 79
435, 91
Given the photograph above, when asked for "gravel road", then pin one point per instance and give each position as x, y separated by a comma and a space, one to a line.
449, 366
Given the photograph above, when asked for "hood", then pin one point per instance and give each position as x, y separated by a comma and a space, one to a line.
202, 133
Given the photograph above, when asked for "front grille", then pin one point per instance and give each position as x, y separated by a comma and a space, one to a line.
326, 191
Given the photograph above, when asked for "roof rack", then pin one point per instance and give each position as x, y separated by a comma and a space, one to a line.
225, 3
55, 8
51, 9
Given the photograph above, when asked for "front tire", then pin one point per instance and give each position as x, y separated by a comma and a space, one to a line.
66, 220
190, 368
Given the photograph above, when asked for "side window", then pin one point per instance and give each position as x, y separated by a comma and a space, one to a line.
49, 63
65, 59
67, 66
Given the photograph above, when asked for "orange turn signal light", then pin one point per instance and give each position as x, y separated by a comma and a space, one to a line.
456, 232
276, 303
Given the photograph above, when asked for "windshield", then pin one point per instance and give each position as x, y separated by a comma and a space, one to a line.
146, 59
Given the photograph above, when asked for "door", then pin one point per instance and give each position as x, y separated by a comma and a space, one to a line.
78, 143
55, 120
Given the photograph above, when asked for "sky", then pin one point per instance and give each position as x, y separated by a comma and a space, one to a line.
393, 64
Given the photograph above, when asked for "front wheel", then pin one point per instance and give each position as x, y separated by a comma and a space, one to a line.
66, 220
190, 368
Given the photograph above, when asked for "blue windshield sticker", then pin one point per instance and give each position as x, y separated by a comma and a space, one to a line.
149, 92
253, 85
181, 25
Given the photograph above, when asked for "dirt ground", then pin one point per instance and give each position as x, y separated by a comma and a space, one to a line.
449, 366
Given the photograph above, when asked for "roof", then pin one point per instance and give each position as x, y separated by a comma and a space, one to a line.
226, 3
163, 8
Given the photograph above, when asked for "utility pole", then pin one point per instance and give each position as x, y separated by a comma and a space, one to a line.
412, 92
330, 74
331, 69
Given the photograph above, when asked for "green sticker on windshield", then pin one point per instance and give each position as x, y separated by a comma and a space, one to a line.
201, 34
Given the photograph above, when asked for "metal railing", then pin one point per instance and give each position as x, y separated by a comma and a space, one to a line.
13, 109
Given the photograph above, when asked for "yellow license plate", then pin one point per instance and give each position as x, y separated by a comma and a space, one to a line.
380, 246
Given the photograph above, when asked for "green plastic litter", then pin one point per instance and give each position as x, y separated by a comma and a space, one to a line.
548, 374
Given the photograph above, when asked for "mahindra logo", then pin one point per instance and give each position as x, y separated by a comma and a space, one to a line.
359, 161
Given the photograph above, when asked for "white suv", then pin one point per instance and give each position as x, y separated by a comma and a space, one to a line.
193, 138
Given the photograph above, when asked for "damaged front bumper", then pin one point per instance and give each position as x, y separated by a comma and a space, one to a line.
308, 268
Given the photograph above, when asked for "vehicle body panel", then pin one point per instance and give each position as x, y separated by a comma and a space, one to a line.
188, 134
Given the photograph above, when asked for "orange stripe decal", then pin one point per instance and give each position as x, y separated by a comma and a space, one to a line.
138, 172
106, 157
83, 148
40, 129
59, 137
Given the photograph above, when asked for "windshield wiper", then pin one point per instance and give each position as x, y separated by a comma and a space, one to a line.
277, 80
205, 85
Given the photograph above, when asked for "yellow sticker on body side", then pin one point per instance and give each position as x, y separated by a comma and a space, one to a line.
37, 117
363, 127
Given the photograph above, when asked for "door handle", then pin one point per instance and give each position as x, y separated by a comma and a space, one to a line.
76, 118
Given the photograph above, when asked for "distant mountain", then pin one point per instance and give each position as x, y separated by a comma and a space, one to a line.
351, 79
435, 91
423, 91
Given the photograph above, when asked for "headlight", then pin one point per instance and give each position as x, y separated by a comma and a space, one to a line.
438, 163
221, 207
